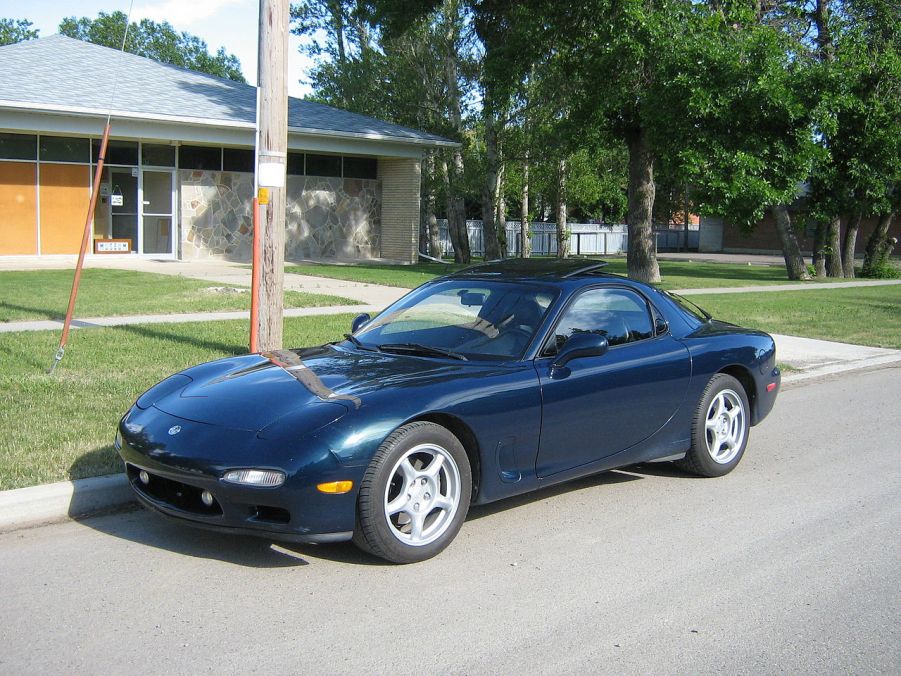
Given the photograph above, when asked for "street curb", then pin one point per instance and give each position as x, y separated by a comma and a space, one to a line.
842, 367
51, 503
39, 505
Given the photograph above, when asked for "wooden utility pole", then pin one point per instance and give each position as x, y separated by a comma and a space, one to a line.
272, 159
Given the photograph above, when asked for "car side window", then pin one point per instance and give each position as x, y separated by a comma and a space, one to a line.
619, 314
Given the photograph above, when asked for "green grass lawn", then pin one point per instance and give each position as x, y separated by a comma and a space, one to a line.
862, 316
62, 426
44, 294
676, 274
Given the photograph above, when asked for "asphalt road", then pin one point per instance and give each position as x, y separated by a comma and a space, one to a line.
789, 564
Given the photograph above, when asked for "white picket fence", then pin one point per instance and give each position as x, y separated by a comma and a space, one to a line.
584, 238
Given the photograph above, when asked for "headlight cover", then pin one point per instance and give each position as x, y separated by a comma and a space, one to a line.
263, 478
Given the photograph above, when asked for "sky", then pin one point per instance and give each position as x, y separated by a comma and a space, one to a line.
220, 23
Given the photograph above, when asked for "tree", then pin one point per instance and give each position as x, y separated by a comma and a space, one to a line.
157, 41
16, 30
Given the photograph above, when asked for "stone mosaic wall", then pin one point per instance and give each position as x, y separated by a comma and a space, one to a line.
326, 217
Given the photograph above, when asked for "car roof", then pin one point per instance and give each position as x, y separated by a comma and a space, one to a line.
534, 269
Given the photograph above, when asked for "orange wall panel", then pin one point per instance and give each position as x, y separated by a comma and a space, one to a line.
65, 189
18, 208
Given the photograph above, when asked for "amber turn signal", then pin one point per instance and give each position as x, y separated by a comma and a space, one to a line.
336, 487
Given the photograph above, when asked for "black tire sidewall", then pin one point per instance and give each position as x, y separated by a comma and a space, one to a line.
372, 525
699, 456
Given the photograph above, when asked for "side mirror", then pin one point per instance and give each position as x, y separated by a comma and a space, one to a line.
581, 345
660, 326
359, 321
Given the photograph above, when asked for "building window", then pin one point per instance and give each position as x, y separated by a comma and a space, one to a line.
157, 155
200, 157
295, 164
65, 149
117, 152
237, 159
324, 165
18, 147
361, 167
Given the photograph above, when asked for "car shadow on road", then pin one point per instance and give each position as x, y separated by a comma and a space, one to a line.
143, 527
593, 481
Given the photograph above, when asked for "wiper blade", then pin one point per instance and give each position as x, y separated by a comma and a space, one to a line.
357, 343
416, 348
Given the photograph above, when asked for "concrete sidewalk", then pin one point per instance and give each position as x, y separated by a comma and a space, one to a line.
221, 272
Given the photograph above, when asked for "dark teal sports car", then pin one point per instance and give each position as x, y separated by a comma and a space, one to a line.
493, 381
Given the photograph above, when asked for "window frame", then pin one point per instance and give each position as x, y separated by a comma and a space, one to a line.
653, 314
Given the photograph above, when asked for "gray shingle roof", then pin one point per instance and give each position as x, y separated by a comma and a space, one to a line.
58, 72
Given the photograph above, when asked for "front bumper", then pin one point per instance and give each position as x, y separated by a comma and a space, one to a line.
178, 472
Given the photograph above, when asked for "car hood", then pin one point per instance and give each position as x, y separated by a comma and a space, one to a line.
253, 392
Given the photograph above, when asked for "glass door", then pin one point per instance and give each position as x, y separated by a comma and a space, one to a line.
123, 206
158, 202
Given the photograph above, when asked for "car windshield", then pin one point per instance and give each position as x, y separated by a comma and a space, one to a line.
463, 319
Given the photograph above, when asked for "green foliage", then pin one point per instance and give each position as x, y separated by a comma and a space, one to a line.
885, 269
157, 41
16, 30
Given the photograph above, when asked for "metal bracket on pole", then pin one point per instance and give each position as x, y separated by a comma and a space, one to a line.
56, 360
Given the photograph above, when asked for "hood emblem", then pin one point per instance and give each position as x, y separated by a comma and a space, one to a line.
175, 429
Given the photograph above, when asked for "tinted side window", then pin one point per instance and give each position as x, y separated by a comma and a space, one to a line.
619, 314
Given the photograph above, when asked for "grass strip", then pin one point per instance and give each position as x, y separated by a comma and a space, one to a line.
676, 274
62, 426
861, 316
44, 294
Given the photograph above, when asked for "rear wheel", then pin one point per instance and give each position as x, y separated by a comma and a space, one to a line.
414, 495
720, 430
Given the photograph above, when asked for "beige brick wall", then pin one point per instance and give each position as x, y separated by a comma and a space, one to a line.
400, 209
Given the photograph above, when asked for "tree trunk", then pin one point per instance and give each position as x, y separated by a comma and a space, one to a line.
489, 187
525, 242
850, 244
456, 207
431, 223
878, 246
791, 252
819, 250
834, 248
500, 215
562, 235
642, 255
461, 249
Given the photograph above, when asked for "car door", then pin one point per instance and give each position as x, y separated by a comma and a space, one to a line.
598, 406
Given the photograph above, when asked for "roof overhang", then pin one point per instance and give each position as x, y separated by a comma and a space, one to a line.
32, 117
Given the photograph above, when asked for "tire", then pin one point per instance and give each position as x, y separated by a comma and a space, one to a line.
719, 432
414, 495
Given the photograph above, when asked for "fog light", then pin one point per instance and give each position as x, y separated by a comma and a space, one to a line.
207, 498
267, 478
336, 487
144, 477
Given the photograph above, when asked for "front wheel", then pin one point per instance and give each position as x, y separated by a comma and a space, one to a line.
719, 432
414, 495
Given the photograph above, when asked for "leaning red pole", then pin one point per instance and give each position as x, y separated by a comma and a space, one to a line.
85, 238
255, 280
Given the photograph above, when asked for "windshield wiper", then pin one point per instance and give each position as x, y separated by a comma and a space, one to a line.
416, 348
357, 343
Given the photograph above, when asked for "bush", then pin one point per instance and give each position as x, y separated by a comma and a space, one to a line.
884, 270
